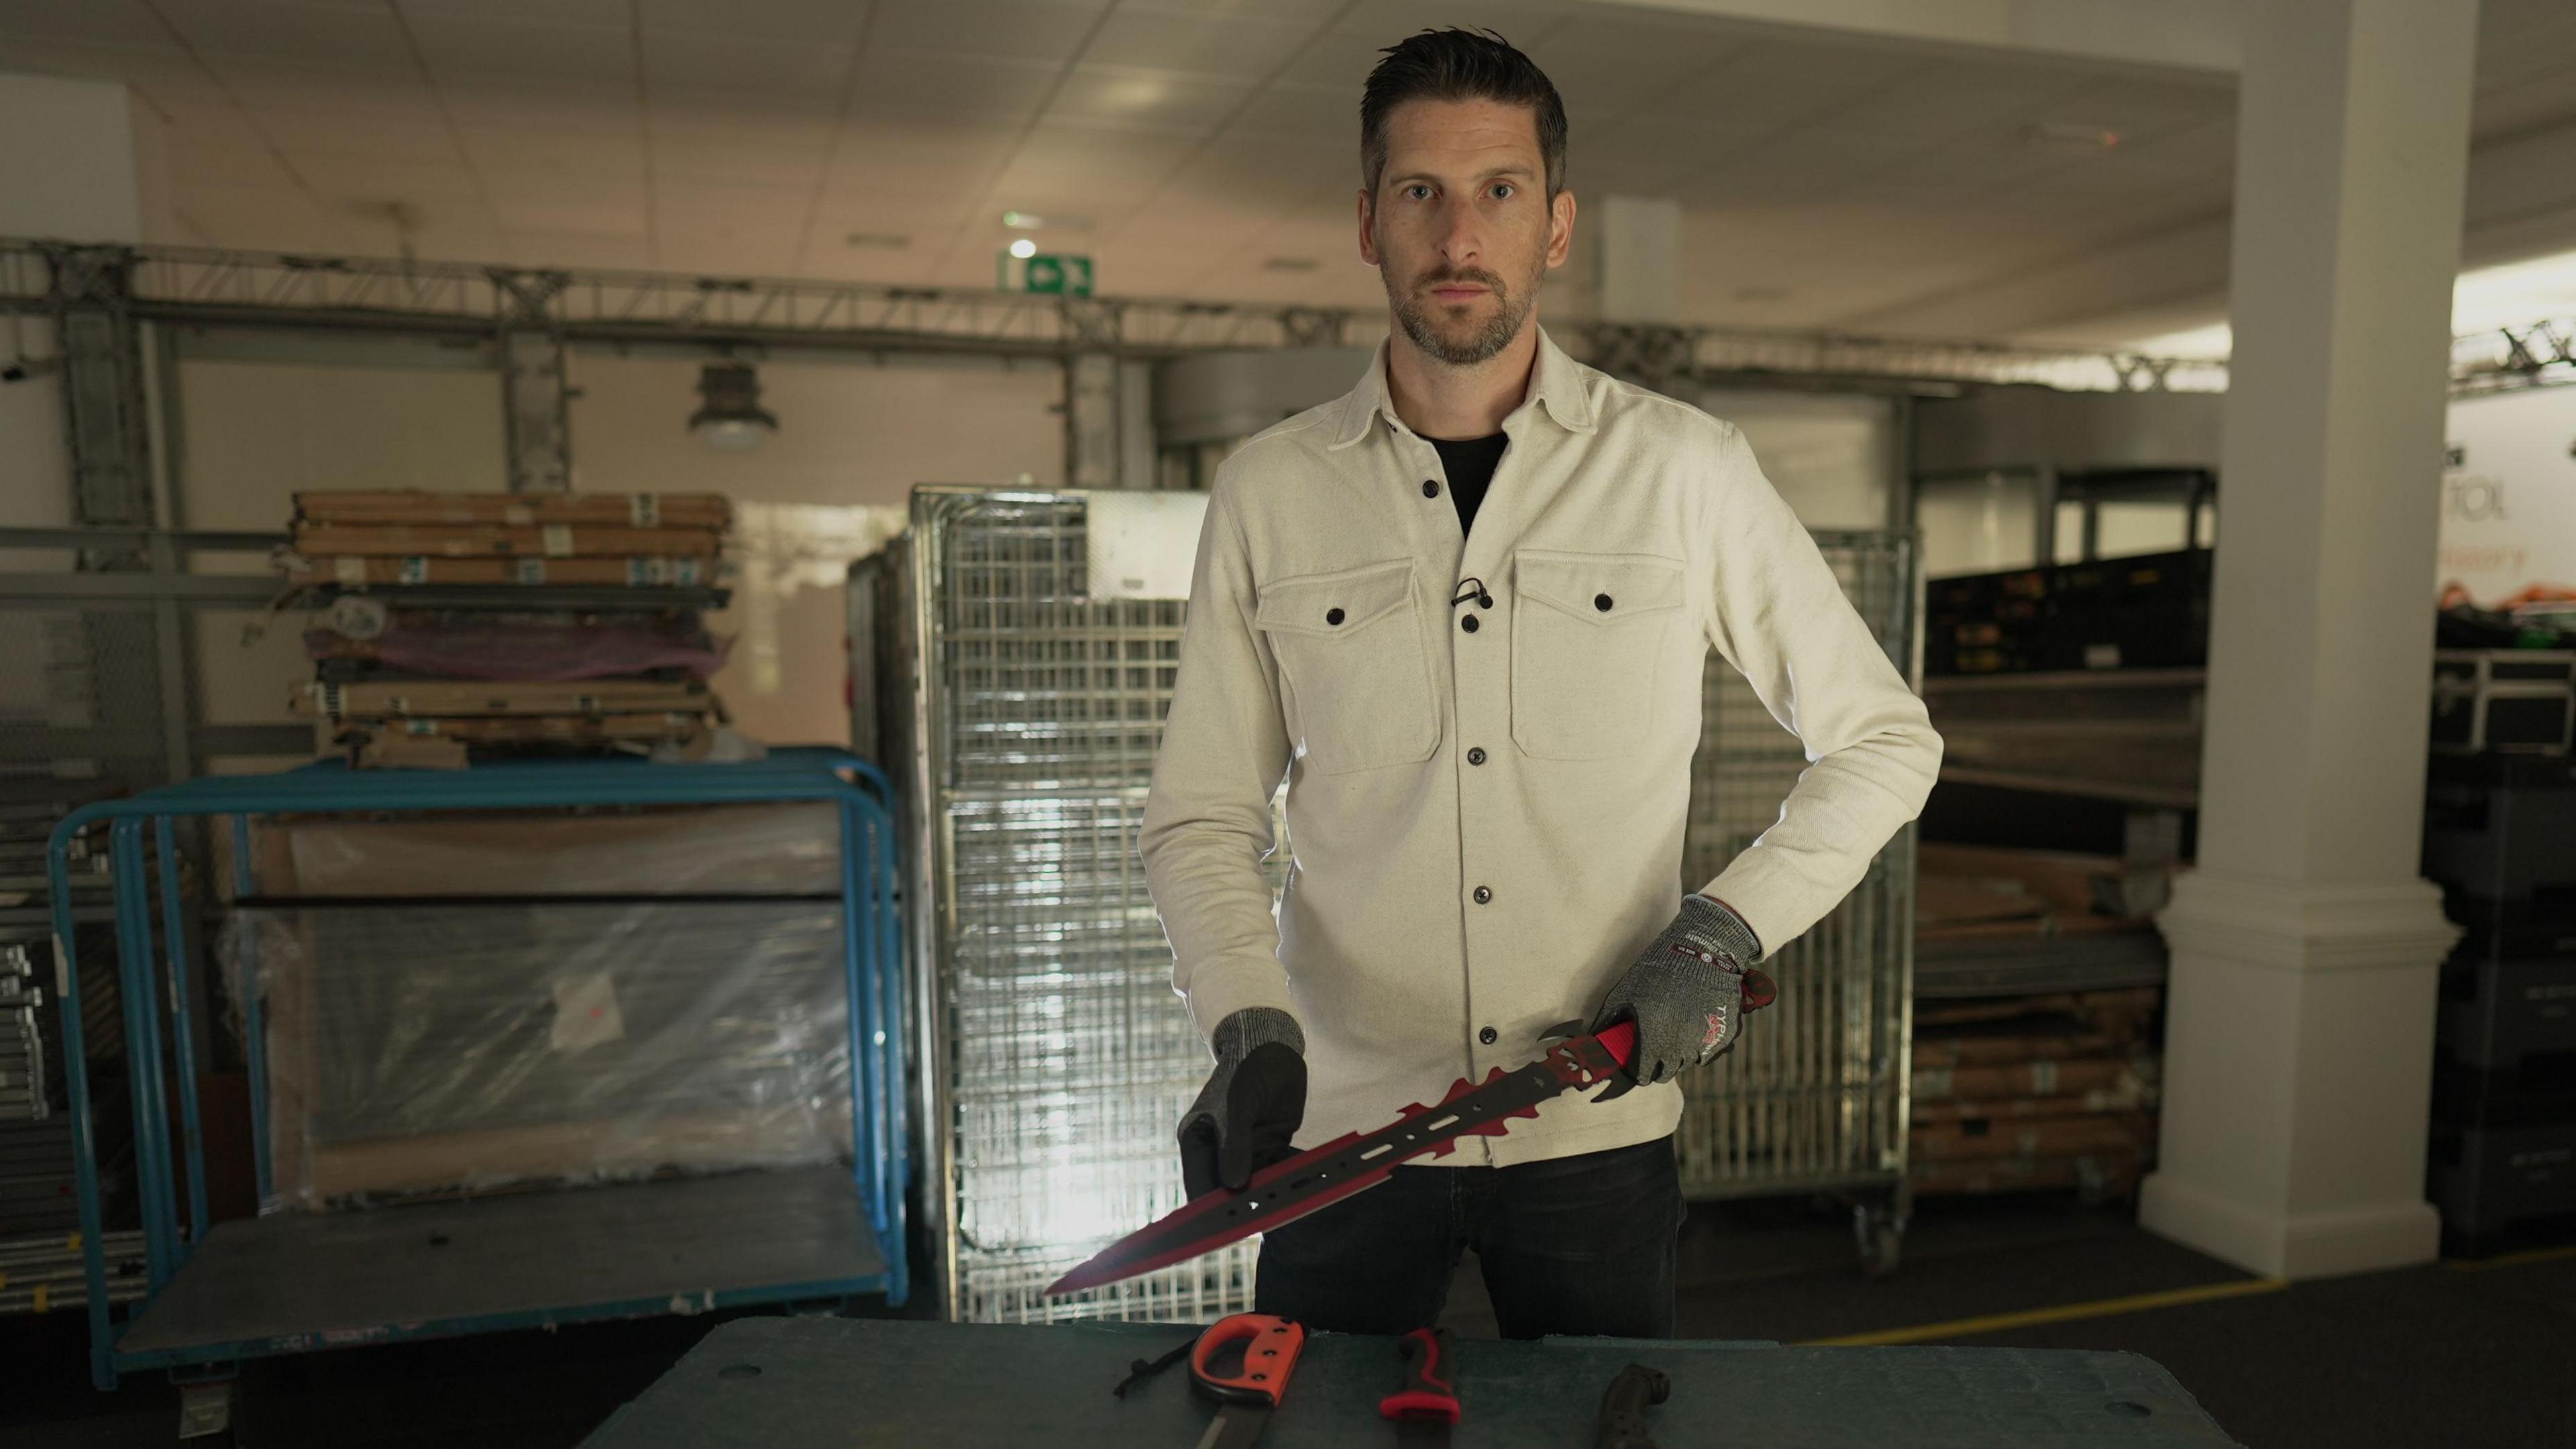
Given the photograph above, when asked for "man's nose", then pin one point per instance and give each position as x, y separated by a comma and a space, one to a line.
1460, 239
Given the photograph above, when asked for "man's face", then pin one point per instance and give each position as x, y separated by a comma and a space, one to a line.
1461, 228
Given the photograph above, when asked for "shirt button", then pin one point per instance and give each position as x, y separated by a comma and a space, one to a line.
1468, 623
1489, 1036
1601, 602
1475, 757
1483, 895
1332, 616
1430, 488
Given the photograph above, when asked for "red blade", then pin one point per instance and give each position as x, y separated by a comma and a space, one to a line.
1321, 1176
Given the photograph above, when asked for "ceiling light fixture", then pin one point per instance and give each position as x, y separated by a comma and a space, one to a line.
1289, 264
891, 240
730, 416
1024, 249
2067, 138
1031, 221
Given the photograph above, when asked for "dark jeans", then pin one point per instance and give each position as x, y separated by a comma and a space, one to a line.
1580, 1245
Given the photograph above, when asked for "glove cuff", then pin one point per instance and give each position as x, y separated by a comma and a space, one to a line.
1254, 1026
1714, 927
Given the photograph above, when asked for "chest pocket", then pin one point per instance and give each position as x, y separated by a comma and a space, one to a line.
1588, 645
1359, 684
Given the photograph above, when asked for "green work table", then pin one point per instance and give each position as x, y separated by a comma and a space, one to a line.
786, 1383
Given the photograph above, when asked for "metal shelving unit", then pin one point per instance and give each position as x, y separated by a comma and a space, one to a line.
289, 1282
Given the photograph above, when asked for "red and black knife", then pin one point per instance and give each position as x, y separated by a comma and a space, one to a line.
1321, 1176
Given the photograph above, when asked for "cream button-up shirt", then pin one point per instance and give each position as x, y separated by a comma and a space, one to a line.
1485, 800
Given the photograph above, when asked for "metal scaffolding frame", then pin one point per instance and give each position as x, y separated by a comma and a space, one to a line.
210, 287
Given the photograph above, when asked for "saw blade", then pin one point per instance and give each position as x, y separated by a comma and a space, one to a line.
1321, 1176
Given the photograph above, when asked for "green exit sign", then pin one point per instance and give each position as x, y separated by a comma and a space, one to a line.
1059, 275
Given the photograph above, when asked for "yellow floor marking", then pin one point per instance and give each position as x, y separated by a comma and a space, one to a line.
2099, 1308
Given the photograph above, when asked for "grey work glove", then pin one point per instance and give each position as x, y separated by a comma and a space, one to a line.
1686, 993
1252, 1103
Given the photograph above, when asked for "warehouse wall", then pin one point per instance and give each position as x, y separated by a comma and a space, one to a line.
853, 439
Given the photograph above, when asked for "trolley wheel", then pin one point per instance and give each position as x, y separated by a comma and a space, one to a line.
1881, 1231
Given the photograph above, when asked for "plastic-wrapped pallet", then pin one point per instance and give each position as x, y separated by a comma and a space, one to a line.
430, 1048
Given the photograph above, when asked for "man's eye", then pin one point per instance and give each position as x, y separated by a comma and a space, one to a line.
1502, 190
1418, 192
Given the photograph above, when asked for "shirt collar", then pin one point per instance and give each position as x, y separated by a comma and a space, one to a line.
1556, 384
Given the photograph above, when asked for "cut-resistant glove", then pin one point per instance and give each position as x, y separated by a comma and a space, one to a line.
1252, 1103
1687, 992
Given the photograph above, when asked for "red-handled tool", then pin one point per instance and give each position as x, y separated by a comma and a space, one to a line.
1427, 1405
1247, 1394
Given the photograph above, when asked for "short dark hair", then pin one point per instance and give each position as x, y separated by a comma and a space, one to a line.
1459, 65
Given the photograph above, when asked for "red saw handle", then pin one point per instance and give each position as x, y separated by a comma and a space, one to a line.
1270, 1345
1427, 1396
1620, 1039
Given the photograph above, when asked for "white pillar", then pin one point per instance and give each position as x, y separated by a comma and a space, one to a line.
2299, 1047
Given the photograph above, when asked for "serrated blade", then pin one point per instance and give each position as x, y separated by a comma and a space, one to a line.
1321, 1176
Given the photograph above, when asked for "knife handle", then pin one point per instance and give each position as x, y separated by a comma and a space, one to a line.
1427, 1396
1621, 1423
1270, 1345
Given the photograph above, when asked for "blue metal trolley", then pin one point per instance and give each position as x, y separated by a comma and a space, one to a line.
289, 1282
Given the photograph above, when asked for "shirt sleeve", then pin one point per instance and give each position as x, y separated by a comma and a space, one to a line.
1207, 825
1777, 613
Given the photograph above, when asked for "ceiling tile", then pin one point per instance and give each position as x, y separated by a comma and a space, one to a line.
687, 162
1241, 46
622, 250
1610, 65
695, 61
583, 57
1047, 30
610, 14
959, 159
1161, 100
399, 97
301, 133
321, 34
921, 88
165, 73
422, 183
1314, 112
575, 155
112, 22
817, 22
1061, 157
226, 166
261, 218
1775, 84
542, 116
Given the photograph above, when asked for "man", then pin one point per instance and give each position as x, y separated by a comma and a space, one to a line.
1464, 609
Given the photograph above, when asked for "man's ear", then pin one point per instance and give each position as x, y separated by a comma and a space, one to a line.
1560, 228
1368, 227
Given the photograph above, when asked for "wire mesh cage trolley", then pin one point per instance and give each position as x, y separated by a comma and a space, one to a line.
1054, 1057
1814, 1099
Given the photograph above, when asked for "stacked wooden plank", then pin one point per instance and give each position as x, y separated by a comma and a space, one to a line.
474, 624
2036, 1091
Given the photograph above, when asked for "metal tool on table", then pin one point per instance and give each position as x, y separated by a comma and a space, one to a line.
1246, 1395
1355, 1162
1427, 1407
1622, 1421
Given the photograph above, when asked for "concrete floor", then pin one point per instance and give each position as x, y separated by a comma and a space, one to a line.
2464, 1356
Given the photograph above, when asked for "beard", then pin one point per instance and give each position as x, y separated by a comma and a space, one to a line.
1463, 343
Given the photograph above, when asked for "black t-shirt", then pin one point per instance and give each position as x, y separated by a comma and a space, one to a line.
1470, 465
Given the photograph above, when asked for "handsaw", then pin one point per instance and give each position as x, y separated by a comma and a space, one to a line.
1355, 1162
